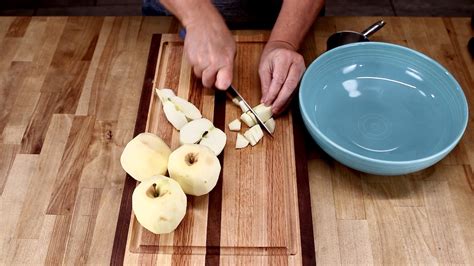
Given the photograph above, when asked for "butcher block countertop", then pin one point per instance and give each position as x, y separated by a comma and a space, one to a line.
75, 90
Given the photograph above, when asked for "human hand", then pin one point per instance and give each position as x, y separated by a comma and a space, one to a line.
210, 48
280, 70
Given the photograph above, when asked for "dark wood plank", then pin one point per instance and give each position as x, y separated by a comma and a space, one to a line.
67, 181
18, 27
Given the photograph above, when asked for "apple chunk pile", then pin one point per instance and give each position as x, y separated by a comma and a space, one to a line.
254, 134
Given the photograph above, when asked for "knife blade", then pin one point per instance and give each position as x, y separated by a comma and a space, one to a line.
235, 94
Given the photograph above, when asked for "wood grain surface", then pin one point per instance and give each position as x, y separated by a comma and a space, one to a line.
69, 96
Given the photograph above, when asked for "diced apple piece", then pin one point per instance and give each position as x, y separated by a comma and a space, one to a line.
193, 131
243, 107
257, 132
215, 140
252, 116
188, 109
165, 94
263, 112
235, 125
173, 115
241, 142
247, 119
249, 136
270, 123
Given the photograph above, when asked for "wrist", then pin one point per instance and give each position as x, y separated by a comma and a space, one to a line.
201, 14
275, 43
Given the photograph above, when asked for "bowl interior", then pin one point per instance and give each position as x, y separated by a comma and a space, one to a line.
383, 102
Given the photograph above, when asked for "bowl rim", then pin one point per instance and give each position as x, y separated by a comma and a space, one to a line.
444, 151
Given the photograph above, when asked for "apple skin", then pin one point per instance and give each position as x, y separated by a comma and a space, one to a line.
163, 213
144, 156
195, 167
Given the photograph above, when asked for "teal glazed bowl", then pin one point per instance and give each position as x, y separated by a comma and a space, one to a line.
382, 108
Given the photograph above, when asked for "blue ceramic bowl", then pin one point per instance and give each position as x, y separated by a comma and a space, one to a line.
382, 108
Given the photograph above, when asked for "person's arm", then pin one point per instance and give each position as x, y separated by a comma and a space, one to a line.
281, 67
209, 45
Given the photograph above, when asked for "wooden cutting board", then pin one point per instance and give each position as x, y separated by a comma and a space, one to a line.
254, 209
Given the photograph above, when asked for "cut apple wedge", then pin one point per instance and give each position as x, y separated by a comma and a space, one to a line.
243, 107
247, 119
257, 132
263, 112
254, 135
235, 125
270, 123
173, 115
187, 108
215, 139
165, 94
249, 136
192, 132
241, 142
202, 131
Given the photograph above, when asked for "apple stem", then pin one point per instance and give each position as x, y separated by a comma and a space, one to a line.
191, 158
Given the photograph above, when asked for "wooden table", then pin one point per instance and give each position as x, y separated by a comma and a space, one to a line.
69, 96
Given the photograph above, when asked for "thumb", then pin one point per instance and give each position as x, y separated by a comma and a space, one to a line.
224, 77
265, 74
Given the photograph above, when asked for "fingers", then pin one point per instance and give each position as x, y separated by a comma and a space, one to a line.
265, 74
288, 88
224, 77
281, 66
208, 77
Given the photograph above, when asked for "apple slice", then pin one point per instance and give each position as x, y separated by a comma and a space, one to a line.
159, 204
165, 94
247, 119
270, 123
195, 167
202, 131
263, 112
215, 139
235, 125
144, 156
173, 115
189, 110
193, 131
241, 142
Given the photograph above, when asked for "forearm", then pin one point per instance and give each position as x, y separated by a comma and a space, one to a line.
294, 21
188, 11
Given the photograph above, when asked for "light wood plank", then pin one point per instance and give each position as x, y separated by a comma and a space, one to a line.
354, 242
324, 213
41, 185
